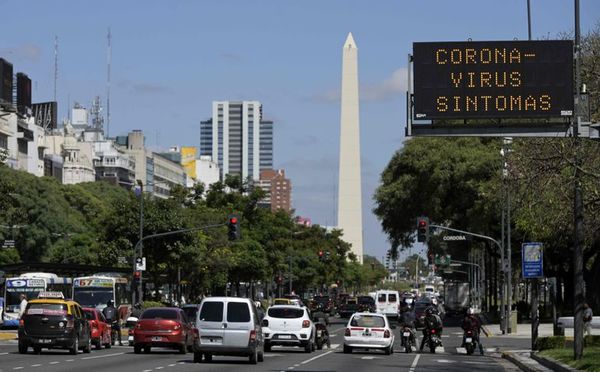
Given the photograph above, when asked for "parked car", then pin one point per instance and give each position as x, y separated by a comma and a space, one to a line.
228, 326
163, 327
369, 331
54, 323
101, 330
288, 325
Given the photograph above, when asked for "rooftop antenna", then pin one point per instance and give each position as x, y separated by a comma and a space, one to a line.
55, 64
109, 55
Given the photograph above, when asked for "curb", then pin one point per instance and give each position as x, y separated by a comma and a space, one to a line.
6, 336
553, 364
519, 362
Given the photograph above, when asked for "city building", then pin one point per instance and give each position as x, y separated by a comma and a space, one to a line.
349, 185
74, 158
238, 139
278, 189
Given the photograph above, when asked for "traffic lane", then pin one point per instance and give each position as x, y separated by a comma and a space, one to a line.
459, 362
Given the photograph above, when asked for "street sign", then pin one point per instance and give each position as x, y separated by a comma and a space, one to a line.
532, 255
451, 238
140, 264
122, 260
8, 244
443, 260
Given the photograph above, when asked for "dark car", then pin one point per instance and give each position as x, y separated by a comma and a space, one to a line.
54, 324
163, 327
366, 304
323, 303
348, 307
420, 308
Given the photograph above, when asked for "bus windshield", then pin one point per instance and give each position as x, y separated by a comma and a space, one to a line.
92, 297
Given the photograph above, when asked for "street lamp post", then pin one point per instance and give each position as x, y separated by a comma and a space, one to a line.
141, 238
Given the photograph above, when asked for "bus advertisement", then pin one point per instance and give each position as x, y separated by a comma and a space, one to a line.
30, 285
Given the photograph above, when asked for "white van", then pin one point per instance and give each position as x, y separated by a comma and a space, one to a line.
388, 303
228, 326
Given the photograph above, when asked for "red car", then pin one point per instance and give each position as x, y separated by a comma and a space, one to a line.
163, 327
100, 329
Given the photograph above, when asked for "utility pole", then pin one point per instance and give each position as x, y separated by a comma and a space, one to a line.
578, 293
291, 274
141, 250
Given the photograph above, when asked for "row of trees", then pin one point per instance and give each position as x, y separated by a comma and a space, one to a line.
458, 182
98, 224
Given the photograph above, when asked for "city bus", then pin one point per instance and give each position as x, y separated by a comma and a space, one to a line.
95, 291
29, 284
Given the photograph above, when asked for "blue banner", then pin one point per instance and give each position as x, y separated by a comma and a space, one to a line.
532, 255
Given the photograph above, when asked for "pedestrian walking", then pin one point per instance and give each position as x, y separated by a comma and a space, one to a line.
587, 319
22, 306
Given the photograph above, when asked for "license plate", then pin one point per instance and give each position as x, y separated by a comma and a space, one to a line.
469, 339
130, 338
156, 338
406, 334
319, 333
44, 341
285, 337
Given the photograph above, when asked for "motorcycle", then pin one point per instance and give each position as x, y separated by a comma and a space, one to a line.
114, 328
407, 339
471, 343
433, 340
130, 324
322, 336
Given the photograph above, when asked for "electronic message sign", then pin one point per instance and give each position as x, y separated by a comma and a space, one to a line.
493, 79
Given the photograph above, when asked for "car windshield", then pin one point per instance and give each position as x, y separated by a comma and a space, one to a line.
93, 297
159, 314
285, 313
46, 309
89, 314
367, 321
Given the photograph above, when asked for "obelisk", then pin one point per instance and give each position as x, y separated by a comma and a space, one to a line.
349, 186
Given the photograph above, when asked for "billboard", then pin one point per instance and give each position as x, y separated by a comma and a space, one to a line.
493, 79
23, 92
6, 81
188, 160
45, 114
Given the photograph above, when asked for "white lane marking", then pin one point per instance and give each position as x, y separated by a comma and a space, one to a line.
290, 368
102, 356
414, 363
36, 365
18, 368
172, 365
470, 362
70, 360
445, 336
159, 367
147, 370
317, 357
54, 362
461, 350
369, 357
445, 361
296, 365
3, 353
335, 346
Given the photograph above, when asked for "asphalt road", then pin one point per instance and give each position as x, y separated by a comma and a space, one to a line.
122, 358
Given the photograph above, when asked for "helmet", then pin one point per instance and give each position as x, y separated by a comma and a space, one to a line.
470, 311
110, 303
138, 305
429, 311
434, 301
257, 304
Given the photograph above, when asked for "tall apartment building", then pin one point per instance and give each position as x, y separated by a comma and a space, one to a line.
278, 189
238, 139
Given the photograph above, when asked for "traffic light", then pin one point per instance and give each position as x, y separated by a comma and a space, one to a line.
422, 229
233, 224
321, 253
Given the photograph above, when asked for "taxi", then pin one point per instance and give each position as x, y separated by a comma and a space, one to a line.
51, 322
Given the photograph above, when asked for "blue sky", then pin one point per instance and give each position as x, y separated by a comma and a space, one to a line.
171, 59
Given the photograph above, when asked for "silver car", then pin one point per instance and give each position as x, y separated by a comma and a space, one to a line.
228, 326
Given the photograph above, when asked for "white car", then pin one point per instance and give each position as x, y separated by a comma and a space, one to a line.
289, 325
369, 331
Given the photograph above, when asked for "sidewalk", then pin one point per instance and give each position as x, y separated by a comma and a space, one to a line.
8, 335
524, 331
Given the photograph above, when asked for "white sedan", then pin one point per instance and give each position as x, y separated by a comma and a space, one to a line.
369, 331
289, 325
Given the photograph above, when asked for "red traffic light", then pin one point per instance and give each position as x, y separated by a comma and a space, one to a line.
320, 253
233, 220
422, 223
137, 274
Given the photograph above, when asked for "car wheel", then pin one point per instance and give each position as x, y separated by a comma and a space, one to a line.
253, 358
267, 347
88, 346
208, 357
98, 345
197, 357
147, 349
73, 350
137, 349
183, 348
23, 348
319, 345
347, 350
261, 356
308, 346
37, 350
388, 350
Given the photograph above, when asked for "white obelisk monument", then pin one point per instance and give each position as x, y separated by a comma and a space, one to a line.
349, 187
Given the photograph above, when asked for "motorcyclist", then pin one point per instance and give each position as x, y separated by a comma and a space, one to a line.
407, 320
112, 317
137, 310
432, 321
471, 322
